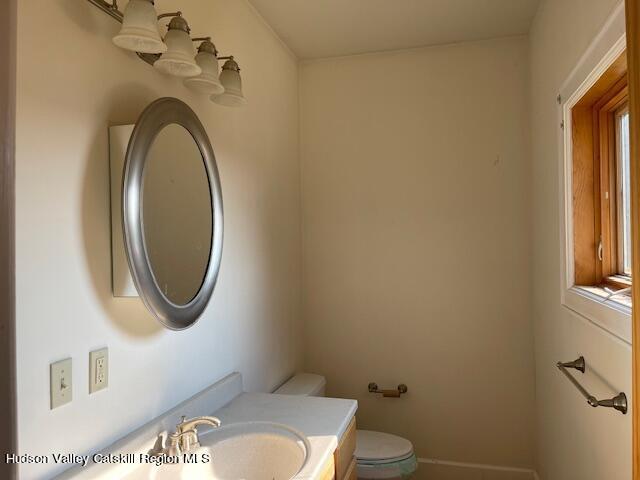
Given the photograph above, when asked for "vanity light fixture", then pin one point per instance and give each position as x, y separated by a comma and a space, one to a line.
232, 83
175, 54
139, 32
207, 58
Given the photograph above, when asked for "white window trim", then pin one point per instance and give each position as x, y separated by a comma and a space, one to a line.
613, 317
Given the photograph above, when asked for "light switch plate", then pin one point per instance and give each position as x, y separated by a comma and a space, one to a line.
98, 370
61, 375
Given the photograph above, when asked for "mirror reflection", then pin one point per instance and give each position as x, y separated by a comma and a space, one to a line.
177, 216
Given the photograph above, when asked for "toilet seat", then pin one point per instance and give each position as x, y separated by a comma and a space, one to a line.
386, 461
378, 447
382, 456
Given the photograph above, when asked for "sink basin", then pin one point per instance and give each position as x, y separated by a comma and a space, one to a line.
256, 451
238, 451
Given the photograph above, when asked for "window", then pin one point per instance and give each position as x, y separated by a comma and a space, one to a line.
601, 187
594, 169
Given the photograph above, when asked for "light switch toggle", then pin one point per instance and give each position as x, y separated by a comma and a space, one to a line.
61, 386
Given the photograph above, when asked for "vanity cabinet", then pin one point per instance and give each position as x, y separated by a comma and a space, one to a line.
342, 466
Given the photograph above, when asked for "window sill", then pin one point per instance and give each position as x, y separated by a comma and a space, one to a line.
604, 295
618, 281
612, 315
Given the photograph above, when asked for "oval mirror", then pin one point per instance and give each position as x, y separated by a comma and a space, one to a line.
172, 213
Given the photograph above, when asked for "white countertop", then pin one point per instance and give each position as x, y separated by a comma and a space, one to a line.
322, 420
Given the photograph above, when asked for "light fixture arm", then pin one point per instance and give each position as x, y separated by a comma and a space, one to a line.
167, 15
149, 58
110, 9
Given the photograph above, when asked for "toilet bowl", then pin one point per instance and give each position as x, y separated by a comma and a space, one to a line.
379, 455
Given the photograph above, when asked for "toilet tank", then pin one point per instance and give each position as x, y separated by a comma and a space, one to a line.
307, 384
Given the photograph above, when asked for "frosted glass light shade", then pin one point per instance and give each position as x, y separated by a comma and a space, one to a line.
232, 83
208, 81
139, 32
179, 59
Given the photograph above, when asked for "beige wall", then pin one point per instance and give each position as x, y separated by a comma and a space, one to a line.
416, 244
574, 442
72, 84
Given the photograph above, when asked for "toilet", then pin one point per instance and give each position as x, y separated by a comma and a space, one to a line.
379, 455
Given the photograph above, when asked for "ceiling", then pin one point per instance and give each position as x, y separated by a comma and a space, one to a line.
328, 28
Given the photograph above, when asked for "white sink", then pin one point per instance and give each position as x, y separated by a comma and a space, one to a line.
239, 451
256, 451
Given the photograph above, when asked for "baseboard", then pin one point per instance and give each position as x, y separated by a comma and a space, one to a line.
519, 473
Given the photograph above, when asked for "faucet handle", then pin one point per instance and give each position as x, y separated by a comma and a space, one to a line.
158, 446
193, 423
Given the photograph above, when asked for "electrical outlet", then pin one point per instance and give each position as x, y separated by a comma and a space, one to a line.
61, 375
98, 370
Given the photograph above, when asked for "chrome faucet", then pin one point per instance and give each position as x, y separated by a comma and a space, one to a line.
185, 438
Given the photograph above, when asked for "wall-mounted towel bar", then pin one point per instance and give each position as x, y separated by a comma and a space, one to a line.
619, 402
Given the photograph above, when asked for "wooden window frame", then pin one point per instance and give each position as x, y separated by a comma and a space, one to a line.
595, 180
632, 18
605, 118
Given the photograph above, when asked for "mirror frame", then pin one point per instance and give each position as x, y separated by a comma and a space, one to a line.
156, 116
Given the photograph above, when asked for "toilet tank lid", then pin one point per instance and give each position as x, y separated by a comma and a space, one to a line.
307, 384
